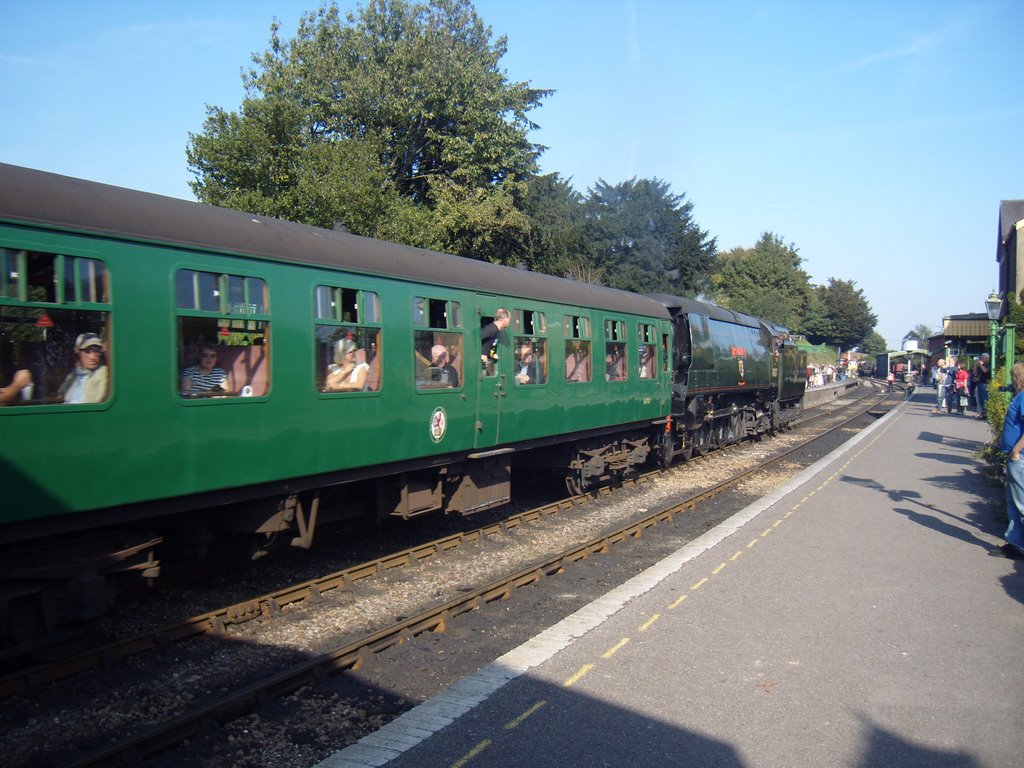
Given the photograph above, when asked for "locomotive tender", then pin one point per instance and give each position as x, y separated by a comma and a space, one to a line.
131, 290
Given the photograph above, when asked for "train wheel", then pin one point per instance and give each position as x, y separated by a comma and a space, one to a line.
735, 425
702, 441
720, 434
664, 450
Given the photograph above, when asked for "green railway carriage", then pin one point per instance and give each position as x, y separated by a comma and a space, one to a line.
339, 362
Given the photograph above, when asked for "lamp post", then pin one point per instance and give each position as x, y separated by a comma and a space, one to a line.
992, 306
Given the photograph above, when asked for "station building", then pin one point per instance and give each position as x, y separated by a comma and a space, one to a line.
969, 334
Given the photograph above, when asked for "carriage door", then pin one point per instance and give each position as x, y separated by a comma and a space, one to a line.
493, 368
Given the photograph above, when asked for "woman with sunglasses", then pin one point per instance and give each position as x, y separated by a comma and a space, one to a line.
205, 375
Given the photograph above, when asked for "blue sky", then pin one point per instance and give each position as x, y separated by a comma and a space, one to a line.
876, 137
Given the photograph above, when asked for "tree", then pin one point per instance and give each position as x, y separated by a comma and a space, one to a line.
1015, 317
398, 107
259, 162
557, 243
874, 344
765, 281
840, 315
919, 333
644, 238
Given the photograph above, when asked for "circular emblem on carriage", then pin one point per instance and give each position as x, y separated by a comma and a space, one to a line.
438, 424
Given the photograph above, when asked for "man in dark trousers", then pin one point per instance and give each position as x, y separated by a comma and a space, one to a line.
980, 377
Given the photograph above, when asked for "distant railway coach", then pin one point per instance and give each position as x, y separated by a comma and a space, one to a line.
171, 373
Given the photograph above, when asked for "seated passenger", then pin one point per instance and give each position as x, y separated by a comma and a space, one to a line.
22, 381
613, 368
206, 375
528, 370
646, 361
441, 361
346, 374
87, 383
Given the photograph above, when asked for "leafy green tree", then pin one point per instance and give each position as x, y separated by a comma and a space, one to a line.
398, 107
874, 344
260, 162
919, 333
557, 243
840, 316
644, 238
765, 281
1015, 317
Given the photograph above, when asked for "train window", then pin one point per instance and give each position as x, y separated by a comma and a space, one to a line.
198, 290
10, 272
85, 281
614, 350
436, 313
54, 329
647, 351
348, 340
578, 353
438, 360
223, 335
437, 349
528, 322
666, 358
531, 364
530, 347
577, 327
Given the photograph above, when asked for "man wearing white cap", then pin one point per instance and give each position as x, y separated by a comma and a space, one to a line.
88, 382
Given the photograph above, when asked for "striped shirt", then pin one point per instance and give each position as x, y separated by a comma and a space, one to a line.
204, 382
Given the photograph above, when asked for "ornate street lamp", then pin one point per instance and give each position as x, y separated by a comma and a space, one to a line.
992, 306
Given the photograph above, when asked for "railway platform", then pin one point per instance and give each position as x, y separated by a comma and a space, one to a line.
853, 617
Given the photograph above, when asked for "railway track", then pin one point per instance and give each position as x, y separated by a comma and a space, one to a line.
219, 621
354, 653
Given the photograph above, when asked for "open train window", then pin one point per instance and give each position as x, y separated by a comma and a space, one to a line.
530, 347
348, 340
614, 350
647, 351
438, 359
55, 324
223, 335
578, 353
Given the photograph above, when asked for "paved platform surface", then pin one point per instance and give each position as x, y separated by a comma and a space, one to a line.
853, 618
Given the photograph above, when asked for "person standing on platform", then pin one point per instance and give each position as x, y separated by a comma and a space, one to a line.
948, 380
960, 388
1013, 444
980, 378
939, 379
